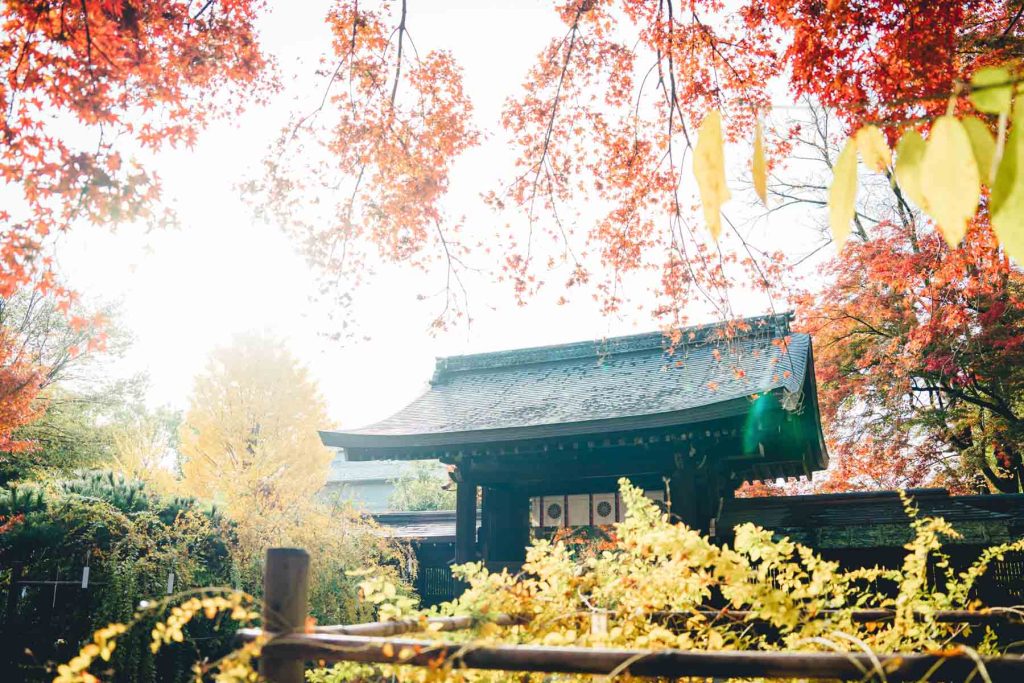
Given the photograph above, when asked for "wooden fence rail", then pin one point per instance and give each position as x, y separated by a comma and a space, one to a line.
289, 646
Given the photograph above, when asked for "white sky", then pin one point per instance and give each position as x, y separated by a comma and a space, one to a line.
184, 292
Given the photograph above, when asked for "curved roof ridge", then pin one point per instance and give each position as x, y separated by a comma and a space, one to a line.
597, 348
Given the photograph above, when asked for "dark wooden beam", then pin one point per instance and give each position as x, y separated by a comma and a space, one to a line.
571, 486
682, 488
465, 521
519, 470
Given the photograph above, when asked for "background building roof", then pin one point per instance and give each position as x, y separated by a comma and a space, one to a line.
346, 471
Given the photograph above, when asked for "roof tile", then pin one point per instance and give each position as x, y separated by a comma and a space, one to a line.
638, 375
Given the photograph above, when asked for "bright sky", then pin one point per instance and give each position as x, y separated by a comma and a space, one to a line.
184, 292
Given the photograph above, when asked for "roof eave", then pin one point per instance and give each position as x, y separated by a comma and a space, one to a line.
729, 408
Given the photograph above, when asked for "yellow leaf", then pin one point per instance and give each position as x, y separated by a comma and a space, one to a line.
991, 89
759, 166
709, 168
983, 145
1007, 200
909, 152
387, 649
842, 196
949, 178
490, 629
873, 148
552, 638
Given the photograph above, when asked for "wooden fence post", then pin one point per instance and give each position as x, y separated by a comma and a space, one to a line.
285, 608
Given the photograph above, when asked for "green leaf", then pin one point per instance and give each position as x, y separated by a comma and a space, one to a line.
874, 150
909, 152
1009, 165
758, 166
709, 168
1007, 200
983, 144
950, 180
987, 94
842, 196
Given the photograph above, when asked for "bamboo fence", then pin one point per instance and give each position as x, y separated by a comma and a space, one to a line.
289, 646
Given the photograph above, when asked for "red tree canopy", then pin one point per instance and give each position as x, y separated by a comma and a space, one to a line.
86, 87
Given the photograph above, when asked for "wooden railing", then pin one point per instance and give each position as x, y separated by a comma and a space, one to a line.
290, 645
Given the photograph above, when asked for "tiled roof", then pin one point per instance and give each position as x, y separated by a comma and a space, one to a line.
345, 471
430, 525
577, 388
867, 519
1011, 504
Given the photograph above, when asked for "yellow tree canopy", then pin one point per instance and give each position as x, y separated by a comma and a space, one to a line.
249, 438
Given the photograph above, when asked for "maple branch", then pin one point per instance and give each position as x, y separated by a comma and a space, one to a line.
995, 408
202, 9
812, 252
1002, 484
398, 64
672, 95
764, 279
439, 320
869, 326
713, 42
330, 82
12, 78
567, 245
88, 34
1013, 21
546, 144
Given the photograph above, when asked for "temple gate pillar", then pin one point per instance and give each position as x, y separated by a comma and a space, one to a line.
506, 528
465, 520
682, 489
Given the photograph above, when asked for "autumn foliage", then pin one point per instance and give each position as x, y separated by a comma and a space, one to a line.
918, 353
618, 131
370, 165
89, 89
20, 381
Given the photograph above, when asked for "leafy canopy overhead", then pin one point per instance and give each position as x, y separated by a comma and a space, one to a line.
619, 133
609, 114
88, 89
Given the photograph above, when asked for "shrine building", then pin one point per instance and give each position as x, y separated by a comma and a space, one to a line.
540, 436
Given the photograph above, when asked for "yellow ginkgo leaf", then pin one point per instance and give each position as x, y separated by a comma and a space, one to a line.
1007, 199
992, 89
909, 152
983, 144
1009, 164
709, 168
874, 150
759, 166
842, 196
950, 180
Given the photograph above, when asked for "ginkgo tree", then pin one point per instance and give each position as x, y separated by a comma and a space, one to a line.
249, 444
249, 438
